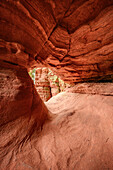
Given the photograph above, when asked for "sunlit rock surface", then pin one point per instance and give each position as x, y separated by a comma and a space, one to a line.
42, 83
47, 83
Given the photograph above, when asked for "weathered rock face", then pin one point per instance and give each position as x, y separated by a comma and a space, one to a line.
76, 37
92, 88
84, 129
54, 83
79, 136
48, 84
22, 112
42, 83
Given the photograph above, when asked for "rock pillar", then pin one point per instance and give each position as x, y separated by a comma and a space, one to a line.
42, 83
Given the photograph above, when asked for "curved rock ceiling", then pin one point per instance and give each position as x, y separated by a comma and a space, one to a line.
73, 130
74, 37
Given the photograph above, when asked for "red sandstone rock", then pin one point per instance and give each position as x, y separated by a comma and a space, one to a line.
54, 83
78, 137
76, 38
47, 83
42, 83
22, 112
73, 36
92, 88
84, 129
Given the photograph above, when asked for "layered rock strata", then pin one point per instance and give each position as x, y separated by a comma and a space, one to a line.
48, 84
76, 37
54, 83
42, 83
105, 89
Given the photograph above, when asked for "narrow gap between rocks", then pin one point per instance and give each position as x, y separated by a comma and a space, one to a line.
47, 83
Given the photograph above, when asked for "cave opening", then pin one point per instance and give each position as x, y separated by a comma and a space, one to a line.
73, 129
47, 83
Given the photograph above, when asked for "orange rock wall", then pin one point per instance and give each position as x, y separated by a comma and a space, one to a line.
48, 84
22, 112
42, 83
74, 131
74, 37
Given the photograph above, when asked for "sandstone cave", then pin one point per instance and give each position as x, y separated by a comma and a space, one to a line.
73, 130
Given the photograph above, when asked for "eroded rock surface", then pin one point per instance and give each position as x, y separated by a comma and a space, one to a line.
92, 88
42, 83
76, 37
22, 111
48, 84
78, 137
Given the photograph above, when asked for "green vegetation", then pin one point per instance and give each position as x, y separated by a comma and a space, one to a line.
32, 74
53, 79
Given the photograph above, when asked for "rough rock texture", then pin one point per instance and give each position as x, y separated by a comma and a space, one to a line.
22, 112
92, 88
48, 84
54, 83
42, 83
76, 37
79, 136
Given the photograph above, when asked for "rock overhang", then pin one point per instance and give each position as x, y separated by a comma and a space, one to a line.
73, 37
